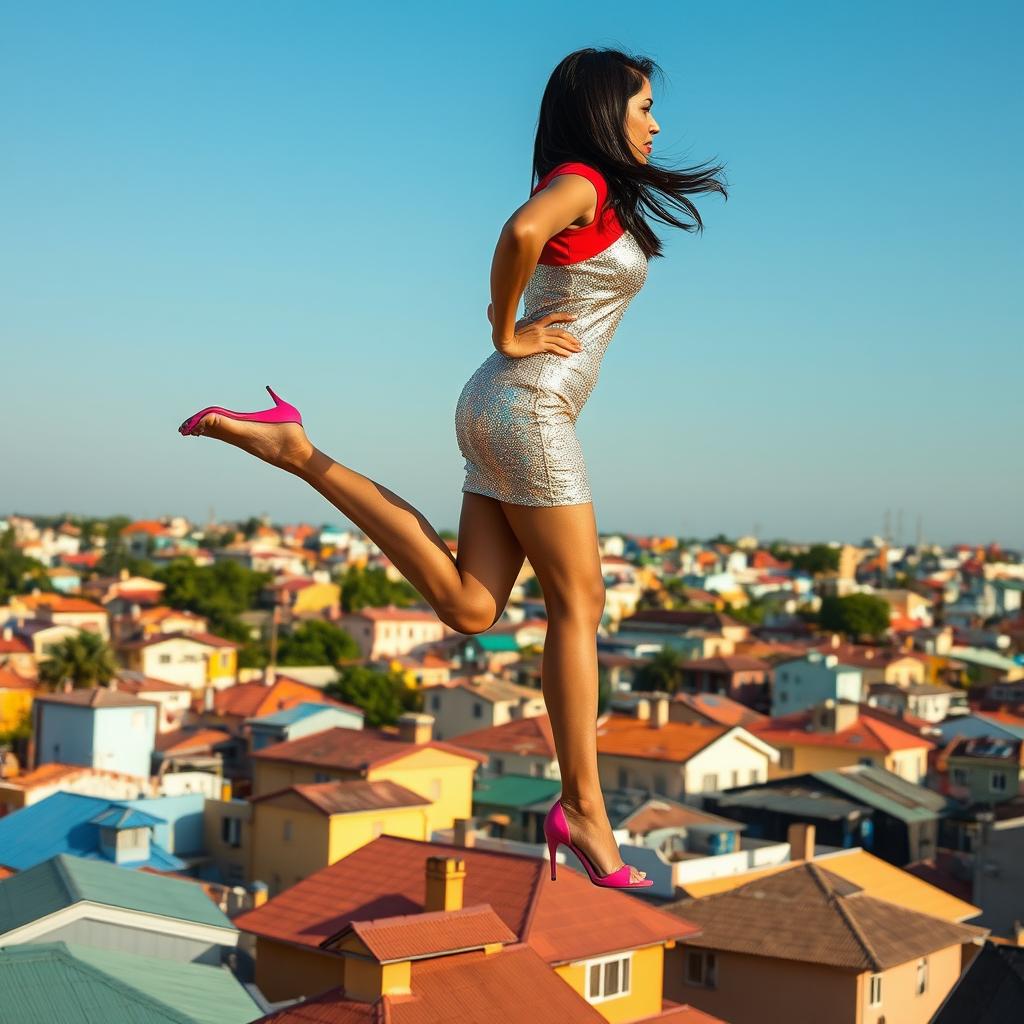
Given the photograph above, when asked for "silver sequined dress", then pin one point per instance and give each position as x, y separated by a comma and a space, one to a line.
515, 418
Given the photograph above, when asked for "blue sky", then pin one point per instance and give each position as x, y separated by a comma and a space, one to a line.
203, 198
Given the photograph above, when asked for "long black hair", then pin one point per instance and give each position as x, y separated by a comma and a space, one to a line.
582, 117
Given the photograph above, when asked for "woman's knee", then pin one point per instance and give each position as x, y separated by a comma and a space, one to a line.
469, 614
583, 600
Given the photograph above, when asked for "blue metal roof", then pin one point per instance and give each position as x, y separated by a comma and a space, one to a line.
293, 714
118, 817
63, 823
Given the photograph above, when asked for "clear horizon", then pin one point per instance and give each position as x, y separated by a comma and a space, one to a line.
204, 200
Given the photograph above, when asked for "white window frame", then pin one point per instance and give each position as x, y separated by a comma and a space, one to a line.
708, 968
875, 990
625, 961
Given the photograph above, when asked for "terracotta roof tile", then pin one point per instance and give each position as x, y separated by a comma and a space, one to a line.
179, 741
720, 710
524, 736
625, 736
562, 920
12, 681
867, 733
350, 796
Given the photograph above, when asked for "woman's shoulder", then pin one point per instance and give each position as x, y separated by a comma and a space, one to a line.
577, 167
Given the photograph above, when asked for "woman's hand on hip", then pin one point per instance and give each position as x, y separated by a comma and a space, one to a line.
538, 336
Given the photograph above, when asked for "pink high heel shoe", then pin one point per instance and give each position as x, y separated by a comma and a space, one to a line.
281, 412
556, 830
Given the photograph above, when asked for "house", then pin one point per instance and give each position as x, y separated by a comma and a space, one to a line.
677, 759
800, 683
58, 610
16, 693
301, 719
438, 771
68, 898
96, 727
130, 833
997, 724
522, 746
813, 940
193, 659
173, 699
391, 632
835, 734
712, 709
514, 806
982, 769
233, 706
298, 830
736, 676
18, 791
480, 703
16, 653
931, 701
998, 876
57, 980
607, 946
991, 990
671, 626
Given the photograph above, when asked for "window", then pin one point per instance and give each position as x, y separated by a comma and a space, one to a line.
164, 659
959, 777
660, 785
608, 977
701, 968
478, 711
735, 776
710, 782
753, 775
922, 976
875, 990
997, 782
321, 777
786, 759
623, 778
231, 831
499, 765
435, 702
287, 831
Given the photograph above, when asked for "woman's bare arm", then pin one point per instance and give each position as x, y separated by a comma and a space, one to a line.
567, 199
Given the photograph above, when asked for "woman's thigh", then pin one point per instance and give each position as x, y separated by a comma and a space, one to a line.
562, 545
489, 558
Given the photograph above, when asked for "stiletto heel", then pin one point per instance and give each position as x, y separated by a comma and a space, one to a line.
556, 831
280, 412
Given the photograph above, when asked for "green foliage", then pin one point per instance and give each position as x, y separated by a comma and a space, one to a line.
220, 592
21, 731
371, 588
855, 615
18, 573
751, 614
661, 672
532, 588
817, 559
383, 696
85, 658
316, 642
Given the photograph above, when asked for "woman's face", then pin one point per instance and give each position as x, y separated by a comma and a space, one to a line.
640, 124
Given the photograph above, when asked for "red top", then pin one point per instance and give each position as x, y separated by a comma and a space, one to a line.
571, 245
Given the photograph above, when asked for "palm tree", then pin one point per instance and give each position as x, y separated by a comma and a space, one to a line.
82, 659
661, 672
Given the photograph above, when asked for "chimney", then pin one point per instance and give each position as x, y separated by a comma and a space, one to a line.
835, 641
465, 832
414, 727
259, 894
659, 713
800, 836
643, 708
445, 877
112, 684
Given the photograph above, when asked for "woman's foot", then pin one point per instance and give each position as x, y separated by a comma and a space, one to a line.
591, 831
283, 445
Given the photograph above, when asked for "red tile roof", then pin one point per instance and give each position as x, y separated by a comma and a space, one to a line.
179, 741
625, 736
562, 920
508, 987
720, 710
352, 749
252, 700
391, 613
524, 736
866, 733
12, 681
208, 639
349, 796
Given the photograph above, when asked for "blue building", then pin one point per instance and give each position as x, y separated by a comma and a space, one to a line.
300, 720
96, 727
802, 683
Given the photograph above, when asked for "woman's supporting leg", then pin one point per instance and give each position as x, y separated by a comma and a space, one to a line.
468, 592
562, 545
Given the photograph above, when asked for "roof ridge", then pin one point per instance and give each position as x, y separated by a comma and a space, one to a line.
844, 912
65, 876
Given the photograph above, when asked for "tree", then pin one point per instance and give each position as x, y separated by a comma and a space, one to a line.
371, 588
817, 559
662, 672
18, 572
219, 592
855, 615
383, 696
84, 658
317, 642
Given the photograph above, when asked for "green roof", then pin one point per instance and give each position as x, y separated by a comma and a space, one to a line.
204, 993
47, 985
515, 790
886, 791
64, 880
497, 641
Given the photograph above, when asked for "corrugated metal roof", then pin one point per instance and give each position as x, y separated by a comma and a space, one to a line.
515, 790
64, 880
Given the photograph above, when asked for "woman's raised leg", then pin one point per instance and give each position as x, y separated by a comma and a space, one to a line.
468, 592
562, 545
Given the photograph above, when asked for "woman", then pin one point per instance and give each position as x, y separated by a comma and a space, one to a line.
577, 253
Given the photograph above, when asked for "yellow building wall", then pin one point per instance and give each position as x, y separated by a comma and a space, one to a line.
282, 862
228, 670
317, 597
445, 780
900, 1001
290, 972
13, 704
348, 832
820, 759
645, 985
269, 776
